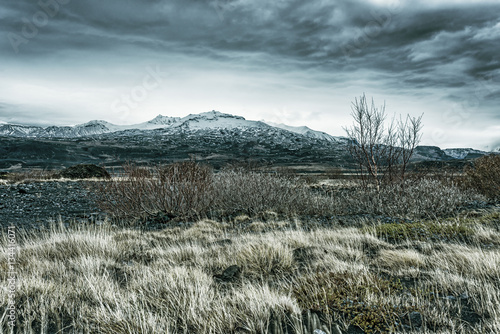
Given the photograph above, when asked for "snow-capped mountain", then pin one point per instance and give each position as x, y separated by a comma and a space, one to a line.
462, 153
212, 137
206, 120
304, 130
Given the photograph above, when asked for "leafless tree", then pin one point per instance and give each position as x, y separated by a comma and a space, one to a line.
409, 136
382, 152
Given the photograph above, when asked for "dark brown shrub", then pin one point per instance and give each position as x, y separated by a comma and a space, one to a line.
181, 189
484, 176
84, 171
253, 193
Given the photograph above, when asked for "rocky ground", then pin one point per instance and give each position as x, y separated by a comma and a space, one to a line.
35, 204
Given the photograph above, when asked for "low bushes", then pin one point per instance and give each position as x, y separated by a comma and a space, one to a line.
190, 190
84, 171
252, 193
181, 189
484, 176
425, 198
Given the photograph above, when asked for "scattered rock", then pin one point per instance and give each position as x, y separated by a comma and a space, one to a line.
318, 323
84, 171
223, 242
230, 274
416, 319
306, 255
318, 331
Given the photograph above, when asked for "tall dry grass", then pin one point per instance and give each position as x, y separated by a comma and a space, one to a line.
105, 279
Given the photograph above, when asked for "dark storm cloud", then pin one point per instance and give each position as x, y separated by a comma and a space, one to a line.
288, 28
411, 47
410, 41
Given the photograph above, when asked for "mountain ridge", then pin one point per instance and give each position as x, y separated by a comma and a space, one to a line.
206, 120
212, 137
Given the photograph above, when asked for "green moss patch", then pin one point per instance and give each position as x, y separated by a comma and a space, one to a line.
425, 231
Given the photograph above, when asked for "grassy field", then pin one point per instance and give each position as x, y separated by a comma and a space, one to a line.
435, 277
433, 267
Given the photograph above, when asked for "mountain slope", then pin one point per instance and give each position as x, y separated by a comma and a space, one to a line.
207, 120
213, 137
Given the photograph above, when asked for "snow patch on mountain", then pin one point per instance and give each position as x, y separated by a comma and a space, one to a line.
217, 120
462, 153
305, 131
159, 122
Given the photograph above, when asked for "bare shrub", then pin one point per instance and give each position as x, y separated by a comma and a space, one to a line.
239, 191
190, 190
180, 189
187, 190
425, 198
484, 176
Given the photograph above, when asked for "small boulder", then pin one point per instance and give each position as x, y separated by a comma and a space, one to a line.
318, 331
84, 171
416, 319
230, 274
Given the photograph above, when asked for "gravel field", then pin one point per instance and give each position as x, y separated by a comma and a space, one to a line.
35, 204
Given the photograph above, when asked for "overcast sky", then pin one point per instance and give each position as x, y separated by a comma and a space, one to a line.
291, 61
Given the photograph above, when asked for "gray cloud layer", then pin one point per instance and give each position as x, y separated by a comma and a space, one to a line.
336, 34
412, 47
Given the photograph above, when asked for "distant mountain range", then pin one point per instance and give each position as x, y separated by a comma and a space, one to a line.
207, 120
214, 137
